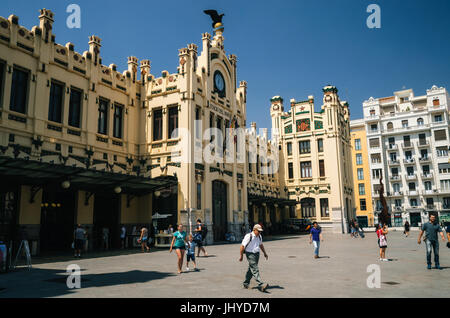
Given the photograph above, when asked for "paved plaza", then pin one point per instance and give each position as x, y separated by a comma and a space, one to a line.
291, 271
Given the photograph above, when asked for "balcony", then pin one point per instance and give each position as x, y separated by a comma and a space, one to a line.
430, 207
411, 177
446, 206
409, 161
396, 194
393, 162
375, 194
426, 159
423, 144
429, 192
407, 145
412, 192
392, 147
427, 176
395, 177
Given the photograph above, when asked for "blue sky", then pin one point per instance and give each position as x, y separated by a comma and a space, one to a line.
288, 48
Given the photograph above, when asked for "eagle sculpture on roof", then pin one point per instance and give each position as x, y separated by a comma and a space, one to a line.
214, 16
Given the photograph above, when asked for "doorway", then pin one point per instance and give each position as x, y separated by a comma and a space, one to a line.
106, 216
57, 221
219, 210
415, 219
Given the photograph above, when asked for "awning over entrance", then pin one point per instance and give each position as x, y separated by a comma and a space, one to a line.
37, 173
258, 199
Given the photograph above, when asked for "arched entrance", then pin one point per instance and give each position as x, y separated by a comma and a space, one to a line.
219, 209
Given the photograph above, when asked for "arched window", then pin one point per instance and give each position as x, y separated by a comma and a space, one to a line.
420, 122
390, 126
308, 206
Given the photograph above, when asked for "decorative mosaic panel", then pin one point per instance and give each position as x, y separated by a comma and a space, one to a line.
303, 125
288, 129
318, 124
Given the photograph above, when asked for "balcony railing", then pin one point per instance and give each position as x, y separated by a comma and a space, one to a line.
431, 207
394, 162
427, 175
411, 177
425, 159
429, 192
422, 144
412, 192
409, 161
392, 146
396, 194
407, 145
394, 177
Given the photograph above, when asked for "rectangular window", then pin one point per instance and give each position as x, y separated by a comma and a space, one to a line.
305, 147
76, 97
404, 123
413, 202
103, 106
199, 196
362, 205
306, 169
19, 91
410, 171
291, 170
173, 122
249, 163
362, 189
118, 121
2, 81
157, 124
324, 211
374, 143
289, 148
444, 168
56, 102
320, 145
440, 135
442, 151
376, 173
322, 168
198, 123
359, 160
257, 164
412, 186
437, 118
357, 144
360, 173
445, 184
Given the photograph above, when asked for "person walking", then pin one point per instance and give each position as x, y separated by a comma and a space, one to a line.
251, 245
123, 236
105, 236
448, 235
406, 231
143, 239
431, 230
315, 237
382, 241
179, 242
79, 238
200, 235
191, 253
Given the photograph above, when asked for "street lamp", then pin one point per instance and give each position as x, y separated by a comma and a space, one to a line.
65, 185
117, 190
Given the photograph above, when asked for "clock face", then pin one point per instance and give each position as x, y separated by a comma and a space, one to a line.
219, 83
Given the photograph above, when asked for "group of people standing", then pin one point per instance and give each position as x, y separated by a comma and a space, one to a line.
429, 233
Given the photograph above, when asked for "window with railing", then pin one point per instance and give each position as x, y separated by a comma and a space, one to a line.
442, 151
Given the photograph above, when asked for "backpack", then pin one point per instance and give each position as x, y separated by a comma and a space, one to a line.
251, 237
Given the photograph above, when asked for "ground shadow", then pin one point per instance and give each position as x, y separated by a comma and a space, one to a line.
42, 283
324, 257
268, 288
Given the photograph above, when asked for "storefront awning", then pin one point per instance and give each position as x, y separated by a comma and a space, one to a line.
35, 173
258, 199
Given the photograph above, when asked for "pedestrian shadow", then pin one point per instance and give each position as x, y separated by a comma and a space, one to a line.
324, 257
194, 271
206, 256
268, 287
392, 259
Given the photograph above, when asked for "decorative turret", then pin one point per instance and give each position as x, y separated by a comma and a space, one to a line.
145, 70
184, 58
94, 48
330, 96
46, 20
132, 67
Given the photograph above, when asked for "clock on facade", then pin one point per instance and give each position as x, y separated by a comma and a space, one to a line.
219, 84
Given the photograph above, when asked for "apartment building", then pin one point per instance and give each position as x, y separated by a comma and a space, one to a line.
408, 145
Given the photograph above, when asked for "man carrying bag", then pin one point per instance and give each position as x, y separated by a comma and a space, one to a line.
251, 245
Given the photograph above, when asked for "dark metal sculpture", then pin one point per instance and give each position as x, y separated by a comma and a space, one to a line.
214, 16
384, 215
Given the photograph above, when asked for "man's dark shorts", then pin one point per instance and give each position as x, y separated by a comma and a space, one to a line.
191, 257
79, 244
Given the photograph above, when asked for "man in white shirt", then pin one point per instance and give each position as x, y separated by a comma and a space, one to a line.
251, 245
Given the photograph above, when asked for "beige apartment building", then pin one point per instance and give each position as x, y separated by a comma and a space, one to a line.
81, 142
315, 158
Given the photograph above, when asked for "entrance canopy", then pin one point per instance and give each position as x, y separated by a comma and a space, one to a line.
258, 199
37, 173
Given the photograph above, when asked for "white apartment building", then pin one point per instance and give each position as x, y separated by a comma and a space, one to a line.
408, 142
